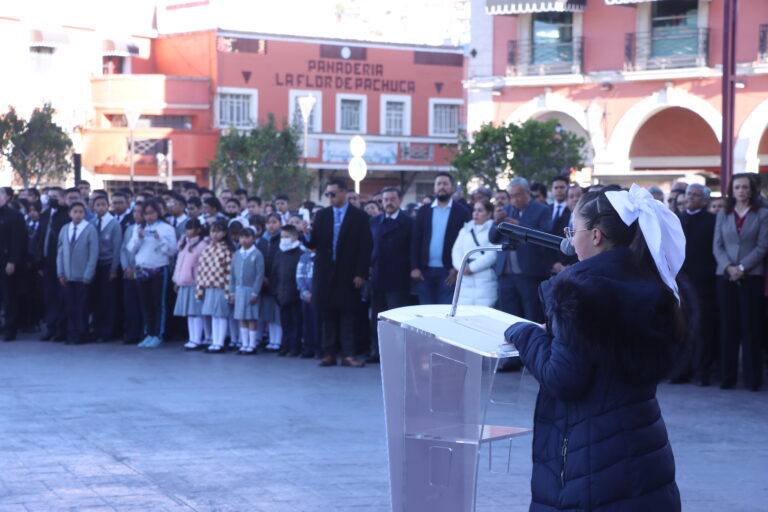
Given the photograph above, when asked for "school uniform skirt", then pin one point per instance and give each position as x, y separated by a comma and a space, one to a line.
243, 310
215, 303
269, 309
186, 302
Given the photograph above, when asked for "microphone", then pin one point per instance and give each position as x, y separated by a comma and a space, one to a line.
507, 232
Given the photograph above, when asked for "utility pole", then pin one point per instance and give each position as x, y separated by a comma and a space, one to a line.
731, 8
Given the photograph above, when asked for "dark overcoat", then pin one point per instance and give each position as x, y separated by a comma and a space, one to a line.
391, 257
332, 281
600, 443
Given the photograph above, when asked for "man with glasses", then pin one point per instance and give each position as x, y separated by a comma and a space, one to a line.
342, 238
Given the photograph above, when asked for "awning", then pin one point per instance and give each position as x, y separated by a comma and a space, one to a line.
495, 7
114, 48
47, 38
626, 2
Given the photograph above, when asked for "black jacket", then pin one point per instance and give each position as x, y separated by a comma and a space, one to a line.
332, 281
421, 234
60, 218
13, 237
699, 229
390, 259
283, 278
269, 247
600, 443
558, 229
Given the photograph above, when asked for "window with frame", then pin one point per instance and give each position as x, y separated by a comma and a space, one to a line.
445, 119
235, 110
113, 65
42, 58
552, 37
394, 118
351, 113
674, 28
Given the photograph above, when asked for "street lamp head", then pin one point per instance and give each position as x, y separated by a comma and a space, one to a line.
357, 146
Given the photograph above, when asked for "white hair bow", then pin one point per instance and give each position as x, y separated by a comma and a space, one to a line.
661, 228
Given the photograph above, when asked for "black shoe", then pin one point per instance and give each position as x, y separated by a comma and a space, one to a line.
307, 355
46, 337
215, 350
373, 359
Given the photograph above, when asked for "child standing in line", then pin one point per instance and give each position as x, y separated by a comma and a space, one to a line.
235, 342
213, 276
310, 327
154, 244
191, 247
132, 314
105, 281
244, 289
78, 254
269, 310
286, 292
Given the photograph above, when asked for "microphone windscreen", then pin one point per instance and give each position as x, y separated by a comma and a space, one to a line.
566, 247
495, 237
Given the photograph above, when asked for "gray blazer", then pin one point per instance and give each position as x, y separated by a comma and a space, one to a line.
247, 271
127, 258
110, 243
78, 262
747, 248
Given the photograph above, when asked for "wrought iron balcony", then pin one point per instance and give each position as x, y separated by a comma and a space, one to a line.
527, 58
666, 49
762, 52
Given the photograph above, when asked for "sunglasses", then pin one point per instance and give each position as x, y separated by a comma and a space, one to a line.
330, 194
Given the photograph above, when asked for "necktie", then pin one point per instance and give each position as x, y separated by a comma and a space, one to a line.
557, 212
336, 230
98, 225
174, 222
74, 234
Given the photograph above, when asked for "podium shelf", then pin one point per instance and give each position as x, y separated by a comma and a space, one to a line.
493, 433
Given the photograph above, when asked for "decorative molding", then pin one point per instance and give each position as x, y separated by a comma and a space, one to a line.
745, 156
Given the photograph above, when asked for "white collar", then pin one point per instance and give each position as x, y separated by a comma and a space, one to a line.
394, 215
694, 212
104, 220
246, 252
436, 205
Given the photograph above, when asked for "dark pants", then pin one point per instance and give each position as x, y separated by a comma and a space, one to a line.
383, 301
290, 319
362, 326
54, 303
433, 290
311, 328
77, 311
104, 301
338, 332
133, 317
9, 289
741, 314
705, 345
519, 296
152, 297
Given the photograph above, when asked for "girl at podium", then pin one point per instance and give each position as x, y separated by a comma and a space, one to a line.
614, 326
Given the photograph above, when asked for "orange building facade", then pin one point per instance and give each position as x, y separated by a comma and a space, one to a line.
640, 80
406, 101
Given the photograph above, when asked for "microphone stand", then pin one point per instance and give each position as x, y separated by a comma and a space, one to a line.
464, 263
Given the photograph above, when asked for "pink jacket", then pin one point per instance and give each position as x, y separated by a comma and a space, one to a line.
185, 273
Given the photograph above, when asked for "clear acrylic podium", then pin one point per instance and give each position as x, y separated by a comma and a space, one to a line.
438, 372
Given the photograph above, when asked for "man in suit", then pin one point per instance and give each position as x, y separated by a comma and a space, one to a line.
54, 301
561, 215
520, 271
434, 232
177, 217
13, 248
390, 260
342, 238
121, 210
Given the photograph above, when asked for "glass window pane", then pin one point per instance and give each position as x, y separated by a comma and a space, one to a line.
350, 114
552, 39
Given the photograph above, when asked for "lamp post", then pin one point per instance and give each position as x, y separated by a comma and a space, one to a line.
306, 104
357, 167
730, 8
132, 115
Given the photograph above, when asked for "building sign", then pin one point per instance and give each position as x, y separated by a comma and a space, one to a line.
345, 75
375, 152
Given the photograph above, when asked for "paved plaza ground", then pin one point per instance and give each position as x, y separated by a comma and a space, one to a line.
115, 428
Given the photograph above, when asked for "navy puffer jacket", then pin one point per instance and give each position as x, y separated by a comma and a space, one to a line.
600, 443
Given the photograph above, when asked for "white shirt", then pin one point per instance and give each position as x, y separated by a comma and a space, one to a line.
245, 252
78, 232
104, 221
555, 207
153, 252
394, 215
175, 222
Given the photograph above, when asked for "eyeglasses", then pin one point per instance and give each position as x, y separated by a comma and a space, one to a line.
570, 232
330, 194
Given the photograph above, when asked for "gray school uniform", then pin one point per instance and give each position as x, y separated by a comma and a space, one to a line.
245, 282
215, 303
187, 303
110, 243
127, 258
77, 262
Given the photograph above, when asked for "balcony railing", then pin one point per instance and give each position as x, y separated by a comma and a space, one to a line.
528, 58
666, 49
762, 52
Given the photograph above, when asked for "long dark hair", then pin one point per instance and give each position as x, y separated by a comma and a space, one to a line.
192, 224
597, 212
221, 225
152, 203
754, 186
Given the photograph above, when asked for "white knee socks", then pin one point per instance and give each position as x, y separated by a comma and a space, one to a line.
253, 339
244, 341
275, 335
219, 331
195, 328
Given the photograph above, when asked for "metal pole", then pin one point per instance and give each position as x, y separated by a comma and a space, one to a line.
170, 164
464, 263
132, 151
728, 92
306, 141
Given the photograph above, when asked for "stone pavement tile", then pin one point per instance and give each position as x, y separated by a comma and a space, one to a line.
13, 508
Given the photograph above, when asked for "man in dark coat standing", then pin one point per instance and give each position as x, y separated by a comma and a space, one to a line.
520, 271
434, 232
390, 261
342, 237
54, 303
13, 248
699, 268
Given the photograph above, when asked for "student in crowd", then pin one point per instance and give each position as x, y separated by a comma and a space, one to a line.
104, 289
195, 208
191, 247
212, 209
154, 244
232, 208
78, 254
30, 287
253, 206
286, 292
242, 198
132, 314
177, 217
269, 310
281, 207
310, 326
479, 285
245, 288
13, 247
213, 282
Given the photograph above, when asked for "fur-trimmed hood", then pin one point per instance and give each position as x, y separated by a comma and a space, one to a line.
623, 322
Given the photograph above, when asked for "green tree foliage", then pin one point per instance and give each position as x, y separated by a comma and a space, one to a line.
535, 150
38, 150
264, 160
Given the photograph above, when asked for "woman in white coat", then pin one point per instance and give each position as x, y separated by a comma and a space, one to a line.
479, 284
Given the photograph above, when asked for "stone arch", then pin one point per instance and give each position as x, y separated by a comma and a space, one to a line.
745, 152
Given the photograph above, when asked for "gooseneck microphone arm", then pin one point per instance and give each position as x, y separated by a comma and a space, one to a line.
506, 233
464, 263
